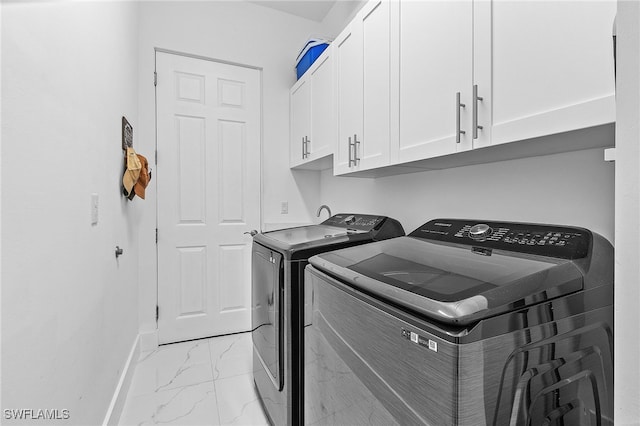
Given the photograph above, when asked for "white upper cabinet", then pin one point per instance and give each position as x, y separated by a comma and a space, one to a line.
300, 102
376, 26
348, 57
435, 66
323, 110
542, 67
363, 85
416, 80
523, 69
312, 101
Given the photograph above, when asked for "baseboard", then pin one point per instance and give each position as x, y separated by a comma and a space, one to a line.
120, 394
148, 341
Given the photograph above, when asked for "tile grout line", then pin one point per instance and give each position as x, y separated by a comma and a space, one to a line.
213, 378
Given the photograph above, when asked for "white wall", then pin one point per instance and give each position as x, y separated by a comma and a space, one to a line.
69, 308
342, 12
238, 32
574, 188
627, 297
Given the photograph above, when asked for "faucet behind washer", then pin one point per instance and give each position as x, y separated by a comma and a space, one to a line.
324, 206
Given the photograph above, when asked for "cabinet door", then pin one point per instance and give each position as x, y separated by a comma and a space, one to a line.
323, 122
300, 104
543, 67
348, 56
435, 63
372, 149
363, 90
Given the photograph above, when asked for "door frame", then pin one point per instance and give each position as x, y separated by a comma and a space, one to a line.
155, 121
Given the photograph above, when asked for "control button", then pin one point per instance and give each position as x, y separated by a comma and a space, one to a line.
480, 231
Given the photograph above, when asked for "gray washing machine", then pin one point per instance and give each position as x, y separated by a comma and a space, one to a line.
279, 301
463, 322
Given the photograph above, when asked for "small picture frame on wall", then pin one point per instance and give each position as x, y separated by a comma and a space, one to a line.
127, 134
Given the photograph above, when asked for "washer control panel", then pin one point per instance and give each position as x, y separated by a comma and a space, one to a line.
359, 222
544, 240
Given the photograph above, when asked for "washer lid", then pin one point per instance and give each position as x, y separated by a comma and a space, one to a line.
451, 283
303, 236
338, 231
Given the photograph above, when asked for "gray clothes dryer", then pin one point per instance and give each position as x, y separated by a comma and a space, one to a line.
279, 300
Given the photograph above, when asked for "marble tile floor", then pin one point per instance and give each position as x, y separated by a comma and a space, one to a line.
201, 382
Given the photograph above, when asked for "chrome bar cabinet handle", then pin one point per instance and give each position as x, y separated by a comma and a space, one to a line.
356, 145
476, 98
350, 146
458, 106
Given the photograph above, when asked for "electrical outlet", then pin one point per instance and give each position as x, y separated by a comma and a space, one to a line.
284, 207
94, 208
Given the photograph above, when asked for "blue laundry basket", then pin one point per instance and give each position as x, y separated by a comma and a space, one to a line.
311, 51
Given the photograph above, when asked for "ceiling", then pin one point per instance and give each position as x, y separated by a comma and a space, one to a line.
315, 10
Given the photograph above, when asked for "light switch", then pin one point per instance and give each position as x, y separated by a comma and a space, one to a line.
284, 207
94, 208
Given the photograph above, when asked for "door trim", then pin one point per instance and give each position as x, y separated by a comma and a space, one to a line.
155, 116
206, 58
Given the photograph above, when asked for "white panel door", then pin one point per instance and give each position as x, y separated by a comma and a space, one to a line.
436, 62
208, 177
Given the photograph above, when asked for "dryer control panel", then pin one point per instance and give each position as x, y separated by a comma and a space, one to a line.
544, 240
360, 222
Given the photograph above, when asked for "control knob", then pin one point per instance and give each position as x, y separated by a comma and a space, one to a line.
350, 220
480, 231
